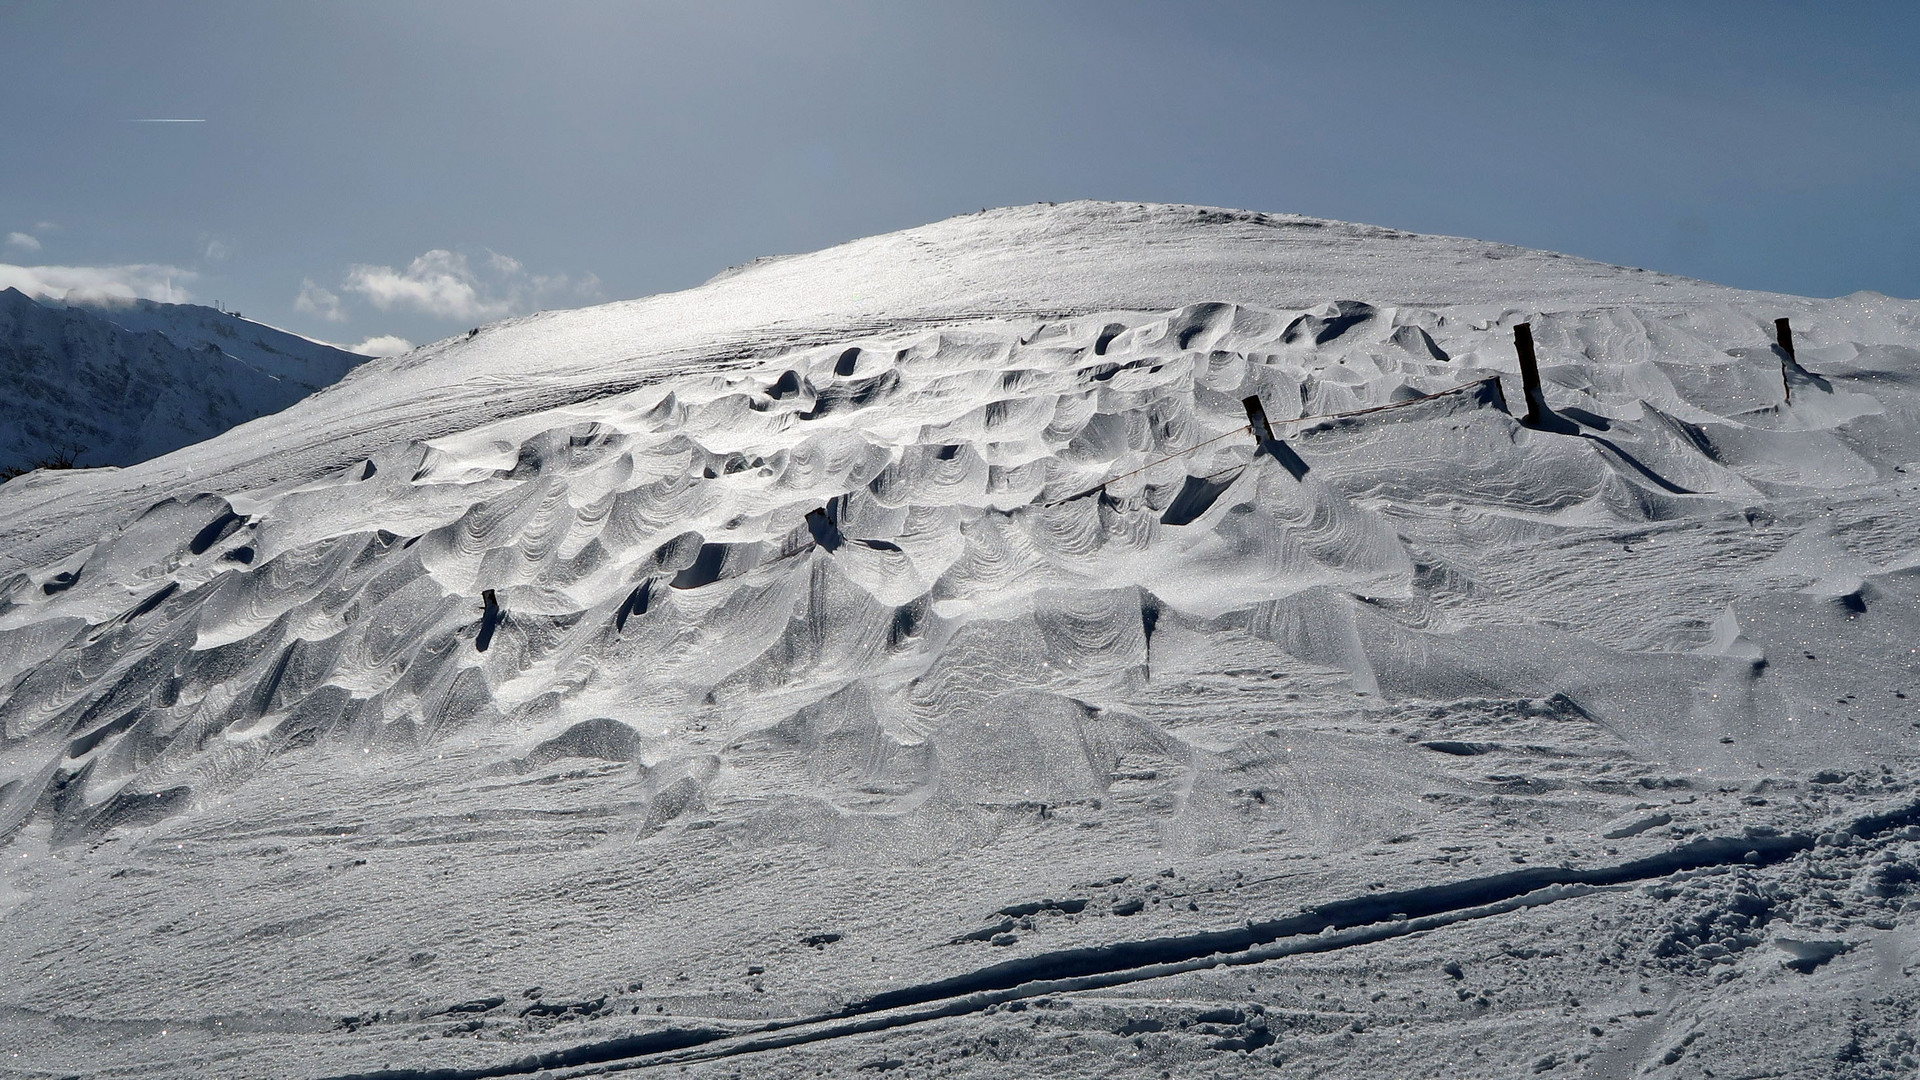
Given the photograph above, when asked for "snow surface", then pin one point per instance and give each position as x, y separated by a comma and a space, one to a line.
507, 709
120, 382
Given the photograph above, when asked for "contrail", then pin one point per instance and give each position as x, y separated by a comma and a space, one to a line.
165, 120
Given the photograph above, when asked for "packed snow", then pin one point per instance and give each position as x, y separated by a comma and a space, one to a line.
908, 658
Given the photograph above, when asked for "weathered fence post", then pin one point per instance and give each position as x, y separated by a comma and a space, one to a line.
489, 619
1783, 332
1257, 419
1537, 411
1265, 442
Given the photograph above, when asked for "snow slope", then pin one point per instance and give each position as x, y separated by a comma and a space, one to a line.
903, 657
122, 383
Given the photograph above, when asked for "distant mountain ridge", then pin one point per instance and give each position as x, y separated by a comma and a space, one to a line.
114, 384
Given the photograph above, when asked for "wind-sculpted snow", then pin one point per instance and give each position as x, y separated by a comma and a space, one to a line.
1022, 594
652, 555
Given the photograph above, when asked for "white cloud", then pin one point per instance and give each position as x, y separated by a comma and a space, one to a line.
444, 284
23, 241
144, 280
384, 345
437, 283
315, 300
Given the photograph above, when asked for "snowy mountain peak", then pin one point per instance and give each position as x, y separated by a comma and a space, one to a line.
273, 352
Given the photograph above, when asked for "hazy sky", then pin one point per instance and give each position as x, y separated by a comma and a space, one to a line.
412, 169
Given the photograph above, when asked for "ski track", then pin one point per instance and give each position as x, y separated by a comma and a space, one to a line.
1324, 928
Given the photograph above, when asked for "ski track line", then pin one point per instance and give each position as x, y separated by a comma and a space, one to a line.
1324, 928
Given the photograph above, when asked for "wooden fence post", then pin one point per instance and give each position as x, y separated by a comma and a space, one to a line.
1783, 332
1257, 419
1529, 375
489, 620
1265, 442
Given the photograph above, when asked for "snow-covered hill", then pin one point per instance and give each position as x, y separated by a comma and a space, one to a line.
904, 656
120, 383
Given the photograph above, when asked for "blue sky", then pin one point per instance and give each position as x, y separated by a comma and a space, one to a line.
412, 169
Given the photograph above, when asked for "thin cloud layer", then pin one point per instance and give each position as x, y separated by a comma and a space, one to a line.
25, 241
141, 281
445, 285
315, 300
